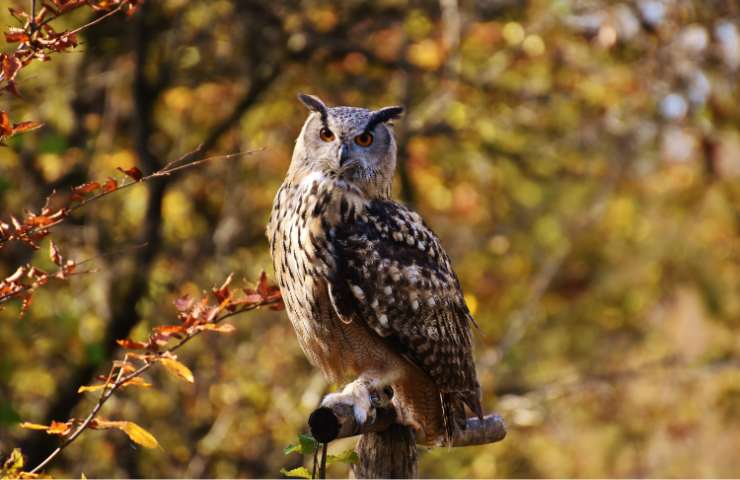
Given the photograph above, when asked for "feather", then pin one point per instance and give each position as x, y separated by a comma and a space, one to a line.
392, 273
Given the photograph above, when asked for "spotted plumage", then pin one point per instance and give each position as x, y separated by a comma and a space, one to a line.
367, 285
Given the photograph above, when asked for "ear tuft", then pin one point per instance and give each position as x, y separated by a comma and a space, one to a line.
383, 115
313, 103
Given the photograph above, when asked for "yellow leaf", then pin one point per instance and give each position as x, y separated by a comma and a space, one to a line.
220, 328
139, 435
90, 388
34, 426
14, 463
137, 382
178, 369
134, 432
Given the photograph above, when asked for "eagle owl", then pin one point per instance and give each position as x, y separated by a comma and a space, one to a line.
367, 286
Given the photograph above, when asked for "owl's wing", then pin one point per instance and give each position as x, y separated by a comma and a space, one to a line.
391, 272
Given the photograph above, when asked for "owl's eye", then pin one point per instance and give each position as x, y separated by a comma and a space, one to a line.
364, 139
326, 135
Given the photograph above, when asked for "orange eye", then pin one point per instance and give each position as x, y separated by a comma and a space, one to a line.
326, 135
364, 139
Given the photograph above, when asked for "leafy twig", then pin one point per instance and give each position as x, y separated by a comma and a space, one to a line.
195, 318
34, 227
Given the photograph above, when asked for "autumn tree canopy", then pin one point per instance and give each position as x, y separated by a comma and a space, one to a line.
579, 160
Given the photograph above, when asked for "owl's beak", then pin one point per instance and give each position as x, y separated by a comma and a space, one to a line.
343, 155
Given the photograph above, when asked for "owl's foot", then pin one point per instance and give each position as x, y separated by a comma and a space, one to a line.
365, 396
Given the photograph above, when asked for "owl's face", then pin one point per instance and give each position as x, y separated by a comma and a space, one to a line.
353, 144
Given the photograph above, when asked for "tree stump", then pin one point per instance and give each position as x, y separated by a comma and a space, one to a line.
390, 453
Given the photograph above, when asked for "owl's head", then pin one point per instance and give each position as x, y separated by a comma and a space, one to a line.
348, 143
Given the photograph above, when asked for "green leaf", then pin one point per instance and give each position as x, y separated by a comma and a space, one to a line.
292, 448
348, 456
306, 445
300, 472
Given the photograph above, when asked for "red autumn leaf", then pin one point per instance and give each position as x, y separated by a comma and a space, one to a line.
54, 254
15, 34
268, 292
22, 127
263, 288
5, 127
132, 344
132, 172
59, 428
110, 185
39, 220
10, 65
169, 329
88, 187
222, 293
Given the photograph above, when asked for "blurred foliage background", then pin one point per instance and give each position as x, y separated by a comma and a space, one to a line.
579, 159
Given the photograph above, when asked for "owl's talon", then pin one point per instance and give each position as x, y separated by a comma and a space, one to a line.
375, 399
359, 396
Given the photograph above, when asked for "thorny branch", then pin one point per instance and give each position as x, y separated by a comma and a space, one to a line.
195, 318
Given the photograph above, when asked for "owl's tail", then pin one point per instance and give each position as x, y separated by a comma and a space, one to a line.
454, 414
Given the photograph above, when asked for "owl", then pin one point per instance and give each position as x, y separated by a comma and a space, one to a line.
368, 288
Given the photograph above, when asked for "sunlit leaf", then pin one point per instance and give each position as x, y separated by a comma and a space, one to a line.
132, 172
54, 254
347, 457
15, 34
300, 472
14, 463
170, 329
88, 187
110, 185
139, 435
220, 327
136, 433
177, 368
306, 445
22, 127
132, 344
137, 382
34, 426
90, 388
59, 428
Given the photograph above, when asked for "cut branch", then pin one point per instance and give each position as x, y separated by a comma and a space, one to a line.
331, 422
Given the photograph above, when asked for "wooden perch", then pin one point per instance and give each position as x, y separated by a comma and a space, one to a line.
329, 423
387, 449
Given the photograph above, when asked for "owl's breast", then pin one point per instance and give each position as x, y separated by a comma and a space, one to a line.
302, 257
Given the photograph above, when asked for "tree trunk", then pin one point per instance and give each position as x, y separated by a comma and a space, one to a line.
390, 453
